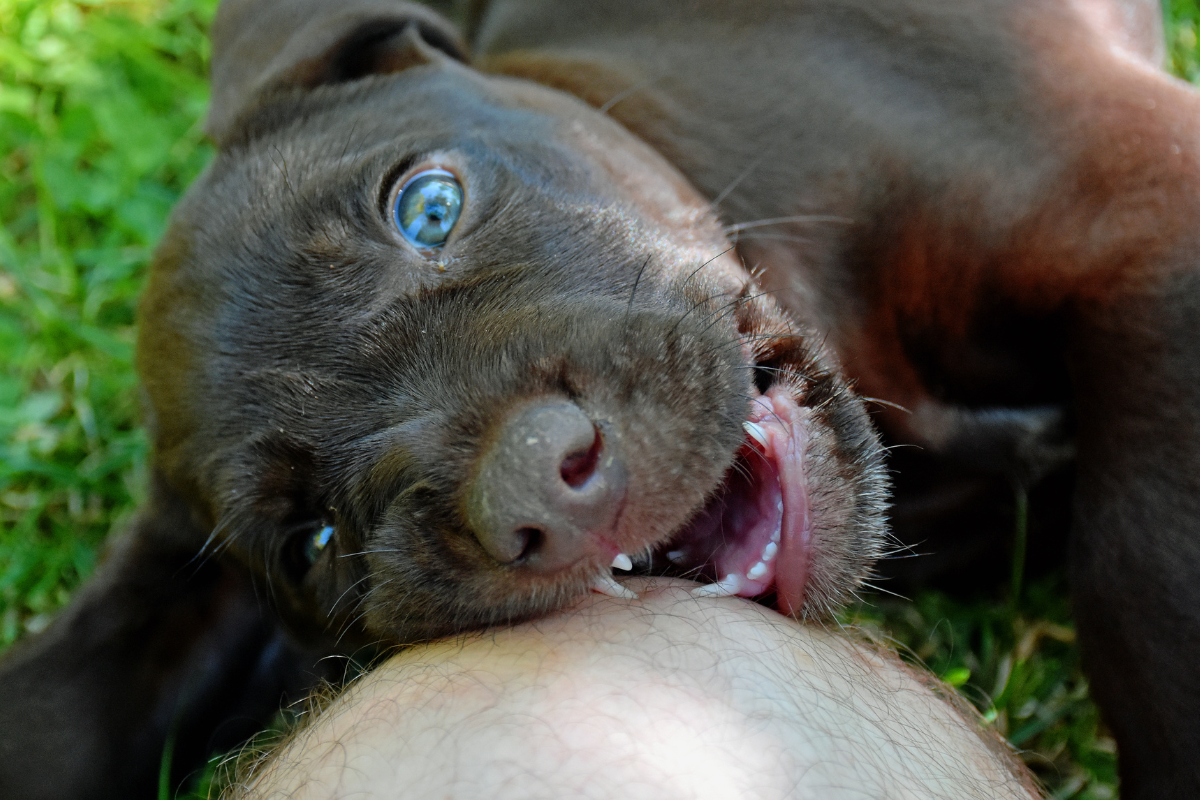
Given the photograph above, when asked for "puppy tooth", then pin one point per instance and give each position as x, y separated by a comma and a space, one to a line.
757, 571
726, 587
622, 561
604, 584
777, 534
675, 556
756, 432
768, 553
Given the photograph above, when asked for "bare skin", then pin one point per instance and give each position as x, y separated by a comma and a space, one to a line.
662, 697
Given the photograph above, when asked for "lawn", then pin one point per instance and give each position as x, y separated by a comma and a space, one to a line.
100, 109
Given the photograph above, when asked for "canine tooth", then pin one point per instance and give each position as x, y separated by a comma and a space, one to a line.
604, 584
622, 561
757, 571
769, 552
756, 432
726, 587
675, 556
776, 535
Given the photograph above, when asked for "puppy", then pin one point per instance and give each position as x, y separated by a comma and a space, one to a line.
449, 331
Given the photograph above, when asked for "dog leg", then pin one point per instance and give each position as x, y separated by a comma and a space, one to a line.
1135, 549
161, 646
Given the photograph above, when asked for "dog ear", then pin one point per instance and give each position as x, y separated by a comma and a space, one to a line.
261, 46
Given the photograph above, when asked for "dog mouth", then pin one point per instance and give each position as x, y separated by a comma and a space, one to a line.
753, 537
798, 520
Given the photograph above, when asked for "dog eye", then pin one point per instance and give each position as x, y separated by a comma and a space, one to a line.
427, 207
316, 543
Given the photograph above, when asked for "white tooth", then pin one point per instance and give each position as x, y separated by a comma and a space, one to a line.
775, 536
675, 556
757, 571
769, 552
756, 432
726, 587
779, 505
622, 561
604, 584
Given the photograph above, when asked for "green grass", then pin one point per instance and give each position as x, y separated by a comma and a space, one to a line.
1017, 662
100, 109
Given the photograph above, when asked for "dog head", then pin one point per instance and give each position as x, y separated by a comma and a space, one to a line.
432, 350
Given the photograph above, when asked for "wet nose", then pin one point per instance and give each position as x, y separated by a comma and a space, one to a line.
546, 487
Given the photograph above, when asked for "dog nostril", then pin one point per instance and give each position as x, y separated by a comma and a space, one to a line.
579, 466
529, 541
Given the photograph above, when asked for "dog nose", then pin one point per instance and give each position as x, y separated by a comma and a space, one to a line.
547, 486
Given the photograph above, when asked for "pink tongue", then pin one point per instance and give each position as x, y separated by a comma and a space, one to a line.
784, 425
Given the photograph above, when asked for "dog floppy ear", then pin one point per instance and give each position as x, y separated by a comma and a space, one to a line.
260, 46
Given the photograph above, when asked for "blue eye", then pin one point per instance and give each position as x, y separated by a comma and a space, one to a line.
428, 206
316, 543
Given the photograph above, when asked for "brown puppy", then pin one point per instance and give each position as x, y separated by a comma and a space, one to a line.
428, 349
1016, 188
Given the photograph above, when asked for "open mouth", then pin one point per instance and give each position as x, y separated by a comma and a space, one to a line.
753, 537
799, 518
